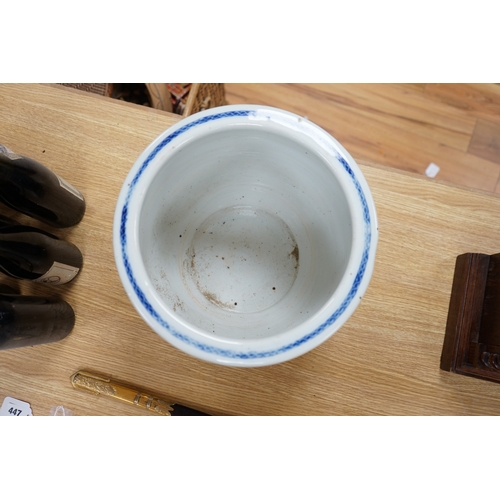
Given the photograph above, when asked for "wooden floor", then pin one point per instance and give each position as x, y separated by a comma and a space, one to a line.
407, 126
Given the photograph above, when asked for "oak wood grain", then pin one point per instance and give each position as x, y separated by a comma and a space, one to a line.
383, 361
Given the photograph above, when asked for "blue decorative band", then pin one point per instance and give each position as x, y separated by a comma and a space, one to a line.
229, 353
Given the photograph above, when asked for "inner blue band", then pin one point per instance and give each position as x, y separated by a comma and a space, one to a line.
229, 353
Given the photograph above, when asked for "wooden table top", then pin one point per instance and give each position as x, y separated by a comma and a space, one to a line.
383, 361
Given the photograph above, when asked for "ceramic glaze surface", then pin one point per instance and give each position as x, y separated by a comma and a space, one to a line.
242, 260
244, 234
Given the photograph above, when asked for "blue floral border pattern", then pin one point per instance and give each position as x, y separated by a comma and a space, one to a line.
228, 353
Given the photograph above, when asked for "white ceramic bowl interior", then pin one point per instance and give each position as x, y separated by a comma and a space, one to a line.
245, 235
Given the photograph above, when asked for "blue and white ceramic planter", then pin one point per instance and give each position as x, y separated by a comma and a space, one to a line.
245, 235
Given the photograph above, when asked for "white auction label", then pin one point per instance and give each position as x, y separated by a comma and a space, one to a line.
58, 274
12, 407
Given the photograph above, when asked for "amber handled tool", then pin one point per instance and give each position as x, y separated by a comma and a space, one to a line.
99, 385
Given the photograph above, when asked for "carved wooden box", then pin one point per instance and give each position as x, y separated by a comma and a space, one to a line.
472, 340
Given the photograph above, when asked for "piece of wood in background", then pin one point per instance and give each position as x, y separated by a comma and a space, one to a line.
485, 141
480, 100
